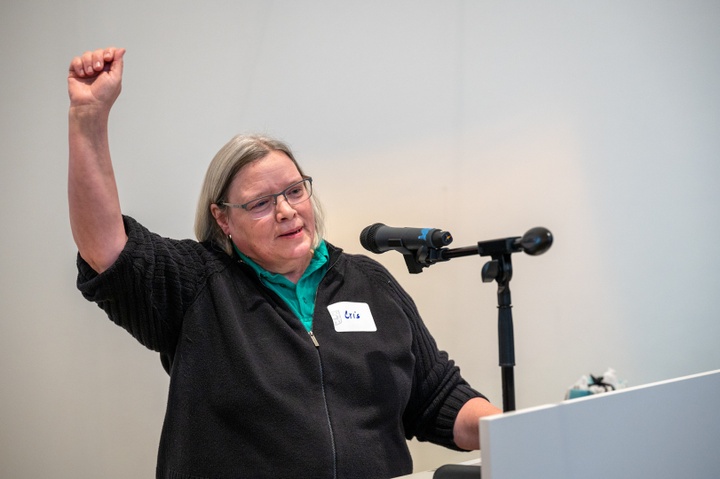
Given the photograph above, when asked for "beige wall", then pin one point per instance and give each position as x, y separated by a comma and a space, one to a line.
597, 120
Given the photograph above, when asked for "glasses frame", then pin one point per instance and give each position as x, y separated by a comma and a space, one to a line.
306, 179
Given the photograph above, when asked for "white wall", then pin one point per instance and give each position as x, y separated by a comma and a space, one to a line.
597, 120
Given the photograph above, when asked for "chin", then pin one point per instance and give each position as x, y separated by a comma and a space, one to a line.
299, 250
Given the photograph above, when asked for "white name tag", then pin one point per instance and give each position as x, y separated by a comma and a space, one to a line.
348, 317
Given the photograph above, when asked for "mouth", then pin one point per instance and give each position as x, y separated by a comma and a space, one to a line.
292, 233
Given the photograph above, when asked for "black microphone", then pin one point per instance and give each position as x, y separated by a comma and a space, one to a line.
535, 241
379, 238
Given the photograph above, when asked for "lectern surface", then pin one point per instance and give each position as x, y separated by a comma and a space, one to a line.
669, 429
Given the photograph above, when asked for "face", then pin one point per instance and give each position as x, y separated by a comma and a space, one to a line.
280, 242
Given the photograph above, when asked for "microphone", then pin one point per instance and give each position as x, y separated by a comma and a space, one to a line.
380, 238
535, 241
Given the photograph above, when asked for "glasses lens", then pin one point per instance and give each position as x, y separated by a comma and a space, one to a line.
260, 207
299, 192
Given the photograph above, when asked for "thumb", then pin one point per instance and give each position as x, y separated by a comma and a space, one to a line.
115, 58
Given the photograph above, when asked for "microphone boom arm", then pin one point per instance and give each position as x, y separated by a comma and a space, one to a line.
534, 242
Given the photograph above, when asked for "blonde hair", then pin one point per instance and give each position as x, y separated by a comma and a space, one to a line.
237, 153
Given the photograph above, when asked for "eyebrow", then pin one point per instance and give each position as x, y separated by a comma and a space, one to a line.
263, 195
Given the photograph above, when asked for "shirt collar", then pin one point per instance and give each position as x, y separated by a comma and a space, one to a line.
319, 259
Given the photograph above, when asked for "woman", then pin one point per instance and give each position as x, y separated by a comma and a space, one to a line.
287, 357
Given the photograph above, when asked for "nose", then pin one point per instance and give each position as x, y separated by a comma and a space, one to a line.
283, 209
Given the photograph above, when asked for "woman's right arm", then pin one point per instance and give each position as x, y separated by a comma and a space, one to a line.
94, 83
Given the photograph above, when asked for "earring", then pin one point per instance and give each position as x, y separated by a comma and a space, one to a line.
230, 237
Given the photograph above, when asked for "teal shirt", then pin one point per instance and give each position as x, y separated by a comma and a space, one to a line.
301, 296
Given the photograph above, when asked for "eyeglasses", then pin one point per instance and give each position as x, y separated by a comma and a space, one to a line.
263, 206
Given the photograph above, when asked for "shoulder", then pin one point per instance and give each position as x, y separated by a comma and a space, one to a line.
147, 250
362, 268
358, 262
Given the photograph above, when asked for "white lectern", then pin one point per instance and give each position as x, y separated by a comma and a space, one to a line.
669, 429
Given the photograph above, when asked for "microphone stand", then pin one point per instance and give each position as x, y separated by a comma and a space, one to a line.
499, 269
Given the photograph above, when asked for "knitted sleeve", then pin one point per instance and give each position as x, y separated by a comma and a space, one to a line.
150, 286
439, 391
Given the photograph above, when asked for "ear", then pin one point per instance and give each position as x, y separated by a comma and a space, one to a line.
221, 217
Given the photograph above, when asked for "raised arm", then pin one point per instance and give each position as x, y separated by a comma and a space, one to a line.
94, 83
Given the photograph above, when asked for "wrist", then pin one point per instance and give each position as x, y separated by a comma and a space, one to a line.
466, 430
88, 112
87, 119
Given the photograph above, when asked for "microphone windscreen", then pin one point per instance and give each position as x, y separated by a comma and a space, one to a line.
367, 238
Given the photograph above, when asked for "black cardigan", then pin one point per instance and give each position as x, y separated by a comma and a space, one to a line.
251, 395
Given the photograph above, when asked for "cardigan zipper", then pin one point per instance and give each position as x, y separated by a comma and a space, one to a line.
325, 403
322, 386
